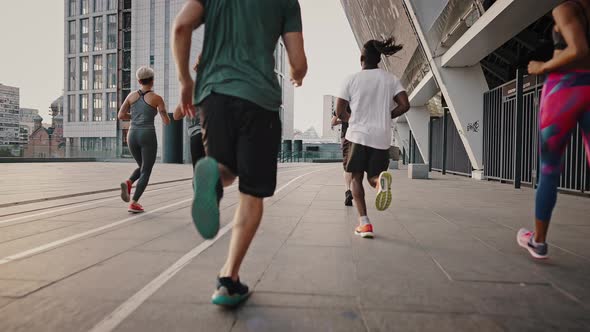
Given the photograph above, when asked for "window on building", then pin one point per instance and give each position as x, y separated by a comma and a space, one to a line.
84, 7
127, 20
71, 108
98, 81
72, 37
84, 73
111, 32
72, 74
111, 106
111, 71
97, 107
84, 36
126, 79
84, 108
127, 60
127, 40
99, 5
72, 11
112, 4
98, 33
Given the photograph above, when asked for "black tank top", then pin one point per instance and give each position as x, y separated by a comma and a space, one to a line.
559, 42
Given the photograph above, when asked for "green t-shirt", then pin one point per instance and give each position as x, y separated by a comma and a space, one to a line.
238, 50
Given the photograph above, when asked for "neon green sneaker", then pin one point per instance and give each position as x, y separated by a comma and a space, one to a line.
383, 200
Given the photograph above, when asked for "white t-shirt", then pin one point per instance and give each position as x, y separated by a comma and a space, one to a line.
370, 94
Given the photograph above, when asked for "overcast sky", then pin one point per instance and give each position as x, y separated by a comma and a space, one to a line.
31, 56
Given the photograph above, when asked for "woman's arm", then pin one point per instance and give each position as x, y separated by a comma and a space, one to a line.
162, 111
573, 31
124, 110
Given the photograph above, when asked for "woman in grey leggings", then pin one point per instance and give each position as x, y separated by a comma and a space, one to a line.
141, 107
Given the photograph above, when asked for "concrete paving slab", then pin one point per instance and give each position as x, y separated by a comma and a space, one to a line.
424, 322
14, 232
116, 279
261, 319
181, 240
307, 270
39, 314
298, 300
41, 180
312, 270
330, 235
182, 317
19, 288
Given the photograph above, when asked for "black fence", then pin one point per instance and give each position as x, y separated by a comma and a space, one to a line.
500, 134
414, 155
450, 159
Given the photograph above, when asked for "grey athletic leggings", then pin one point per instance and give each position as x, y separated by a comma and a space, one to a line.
144, 148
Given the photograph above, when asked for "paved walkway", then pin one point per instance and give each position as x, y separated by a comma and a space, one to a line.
444, 259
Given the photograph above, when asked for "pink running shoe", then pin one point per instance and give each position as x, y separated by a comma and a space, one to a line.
524, 238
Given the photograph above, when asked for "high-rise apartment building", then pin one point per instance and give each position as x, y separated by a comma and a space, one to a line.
328, 131
288, 107
92, 59
27, 123
9, 117
106, 41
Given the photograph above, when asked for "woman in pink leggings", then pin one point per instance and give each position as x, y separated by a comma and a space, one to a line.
565, 103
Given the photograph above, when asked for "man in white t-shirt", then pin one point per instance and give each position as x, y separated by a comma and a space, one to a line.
375, 97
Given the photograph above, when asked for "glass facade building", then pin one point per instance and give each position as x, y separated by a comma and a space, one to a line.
106, 40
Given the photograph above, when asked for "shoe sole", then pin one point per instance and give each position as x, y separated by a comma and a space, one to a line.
135, 211
125, 192
365, 235
228, 300
383, 200
205, 211
531, 251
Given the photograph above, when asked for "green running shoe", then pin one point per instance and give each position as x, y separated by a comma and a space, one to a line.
229, 293
205, 209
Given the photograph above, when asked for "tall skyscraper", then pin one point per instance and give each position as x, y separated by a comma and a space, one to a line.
9, 118
92, 59
105, 42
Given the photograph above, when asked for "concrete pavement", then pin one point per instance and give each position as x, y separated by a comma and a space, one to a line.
444, 259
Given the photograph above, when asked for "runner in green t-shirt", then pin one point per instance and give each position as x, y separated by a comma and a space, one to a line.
239, 96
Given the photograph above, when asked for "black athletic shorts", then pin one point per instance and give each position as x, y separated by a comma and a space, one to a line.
245, 138
366, 159
197, 148
345, 151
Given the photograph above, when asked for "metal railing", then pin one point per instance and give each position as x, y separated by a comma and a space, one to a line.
500, 133
309, 156
450, 159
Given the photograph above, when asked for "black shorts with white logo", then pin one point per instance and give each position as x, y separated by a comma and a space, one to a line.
245, 138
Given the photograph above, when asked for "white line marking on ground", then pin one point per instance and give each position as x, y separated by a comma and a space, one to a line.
128, 307
58, 243
99, 201
75, 237
76, 205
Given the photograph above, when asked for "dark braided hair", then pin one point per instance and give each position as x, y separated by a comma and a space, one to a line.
375, 48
